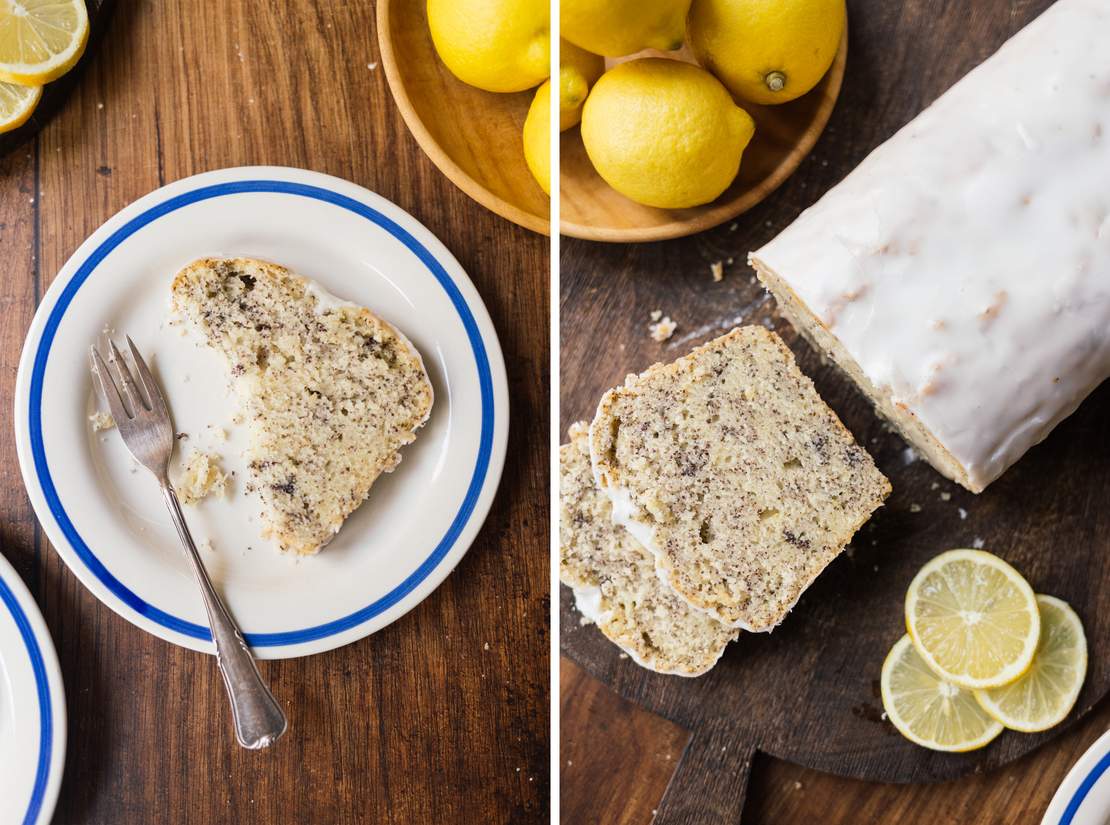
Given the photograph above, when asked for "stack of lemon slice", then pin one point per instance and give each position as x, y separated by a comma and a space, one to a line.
983, 653
40, 40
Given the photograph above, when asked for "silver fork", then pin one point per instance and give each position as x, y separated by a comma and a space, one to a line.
146, 427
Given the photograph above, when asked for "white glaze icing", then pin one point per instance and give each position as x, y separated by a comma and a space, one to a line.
588, 601
965, 264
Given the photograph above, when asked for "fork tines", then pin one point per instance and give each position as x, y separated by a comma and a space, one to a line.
125, 400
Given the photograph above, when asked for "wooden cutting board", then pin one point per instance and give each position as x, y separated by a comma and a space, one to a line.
55, 94
809, 691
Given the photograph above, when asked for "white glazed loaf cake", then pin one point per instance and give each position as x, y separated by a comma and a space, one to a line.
961, 274
614, 581
329, 391
728, 466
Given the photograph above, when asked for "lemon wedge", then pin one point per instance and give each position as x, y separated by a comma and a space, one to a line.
41, 40
973, 619
929, 711
16, 104
1046, 693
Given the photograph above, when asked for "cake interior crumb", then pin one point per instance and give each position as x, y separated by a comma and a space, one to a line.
101, 421
662, 329
200, 478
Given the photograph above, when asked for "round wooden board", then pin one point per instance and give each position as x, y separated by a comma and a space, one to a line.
473, 136
592, 210
808, 692
55, 94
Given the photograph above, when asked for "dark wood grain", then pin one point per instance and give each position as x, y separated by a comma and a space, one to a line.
420, 723
604, 736
808, 692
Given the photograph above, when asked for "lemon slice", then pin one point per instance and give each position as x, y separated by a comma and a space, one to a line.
40, 40
1046, 693
973, 619
929, 711
16, 104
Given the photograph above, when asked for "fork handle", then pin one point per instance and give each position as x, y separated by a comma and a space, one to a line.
259, 719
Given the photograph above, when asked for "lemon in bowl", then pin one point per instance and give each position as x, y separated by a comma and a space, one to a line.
578, 72
664, 133
496, 45
614, 28
767, 51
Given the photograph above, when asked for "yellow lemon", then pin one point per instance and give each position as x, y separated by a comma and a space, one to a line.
664, 133
41, 40
578, 71
16, 104
926, 709
619, 27
973, 619
537, 137
1046, 693
496, 45
767, 51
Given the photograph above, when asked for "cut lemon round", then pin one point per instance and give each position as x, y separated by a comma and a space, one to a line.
16, 104
973, 619
929, 711
41, 40
1046, 693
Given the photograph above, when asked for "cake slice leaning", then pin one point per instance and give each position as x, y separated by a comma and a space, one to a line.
614, 581
329, 391
732, 471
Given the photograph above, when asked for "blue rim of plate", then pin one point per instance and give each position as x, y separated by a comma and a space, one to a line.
1084, 788
46, 711
485, 380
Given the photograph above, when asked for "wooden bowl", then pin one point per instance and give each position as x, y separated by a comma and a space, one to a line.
474, 137
784, 135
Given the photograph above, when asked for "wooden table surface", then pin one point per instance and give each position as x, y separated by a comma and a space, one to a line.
420, 723
617, 759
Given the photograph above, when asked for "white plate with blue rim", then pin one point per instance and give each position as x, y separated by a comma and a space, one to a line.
104, 515
32, 708
1083, 798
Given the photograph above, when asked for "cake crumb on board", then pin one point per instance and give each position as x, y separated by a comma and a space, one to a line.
662, 329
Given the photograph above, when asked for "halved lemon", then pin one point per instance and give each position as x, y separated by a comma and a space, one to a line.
1046, 693
973, 619
40, 40
16, 104
929, 711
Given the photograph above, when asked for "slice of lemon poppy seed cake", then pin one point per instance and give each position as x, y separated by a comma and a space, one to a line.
329, 391
614, 578
728, 466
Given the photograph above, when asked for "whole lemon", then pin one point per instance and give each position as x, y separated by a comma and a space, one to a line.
537, 137
664, 133
619, 27
578, 71
496, 45
767, 51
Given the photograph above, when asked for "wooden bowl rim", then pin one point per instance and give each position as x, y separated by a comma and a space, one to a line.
718, 213
455, 173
